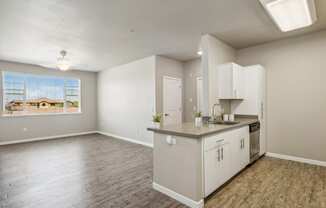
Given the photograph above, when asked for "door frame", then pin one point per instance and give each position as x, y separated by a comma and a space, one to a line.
164, 84
197, 94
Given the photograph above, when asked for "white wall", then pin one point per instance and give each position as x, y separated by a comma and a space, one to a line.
126, 100
165, 67
11, 128
215, 52
192, 70
296, 93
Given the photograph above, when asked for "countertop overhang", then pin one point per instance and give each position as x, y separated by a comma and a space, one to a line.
190, 130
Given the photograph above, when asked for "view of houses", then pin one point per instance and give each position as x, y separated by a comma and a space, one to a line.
29, 94
41, 105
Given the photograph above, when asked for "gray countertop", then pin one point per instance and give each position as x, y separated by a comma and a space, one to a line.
191, 131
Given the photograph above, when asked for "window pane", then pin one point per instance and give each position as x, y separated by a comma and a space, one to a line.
31, 94
14, 93
44, 95
72, 95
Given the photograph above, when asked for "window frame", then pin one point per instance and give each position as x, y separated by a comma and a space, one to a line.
3, 95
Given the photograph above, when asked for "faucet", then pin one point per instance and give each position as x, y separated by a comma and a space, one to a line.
214, 111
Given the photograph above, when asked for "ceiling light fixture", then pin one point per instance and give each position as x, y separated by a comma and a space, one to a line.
63, 63
199, 53
291, 14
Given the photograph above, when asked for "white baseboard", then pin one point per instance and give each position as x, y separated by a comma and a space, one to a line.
297, 159
183, 199
126, 139
47, 138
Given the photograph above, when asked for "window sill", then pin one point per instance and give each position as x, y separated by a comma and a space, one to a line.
39, 114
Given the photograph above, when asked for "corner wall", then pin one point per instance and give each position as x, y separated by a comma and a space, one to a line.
215, 52
192, 70
296, 89
126, 100
165, 67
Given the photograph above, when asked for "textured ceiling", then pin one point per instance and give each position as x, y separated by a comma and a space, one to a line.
99, 34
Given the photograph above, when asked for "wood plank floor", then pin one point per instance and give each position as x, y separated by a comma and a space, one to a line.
274, 183
95, 171
92, 171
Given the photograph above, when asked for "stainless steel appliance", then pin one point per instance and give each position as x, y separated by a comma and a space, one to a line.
254, 130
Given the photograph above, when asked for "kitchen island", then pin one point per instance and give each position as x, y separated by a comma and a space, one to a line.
192, 162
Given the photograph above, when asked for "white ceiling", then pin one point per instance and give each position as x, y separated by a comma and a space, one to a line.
99, 34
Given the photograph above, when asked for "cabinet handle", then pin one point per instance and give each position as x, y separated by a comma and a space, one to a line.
262, 110
221, 140
243, 143
222, 153
218, 155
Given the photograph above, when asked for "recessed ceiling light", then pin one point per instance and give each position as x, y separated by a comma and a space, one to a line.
291, 14
199, 53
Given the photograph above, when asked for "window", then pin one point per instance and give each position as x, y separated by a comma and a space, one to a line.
26, 94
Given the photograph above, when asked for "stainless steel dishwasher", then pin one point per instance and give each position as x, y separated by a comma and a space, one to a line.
254, 130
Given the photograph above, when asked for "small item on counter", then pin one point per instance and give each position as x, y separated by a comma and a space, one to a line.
205, 119
198, 119
225, 117
231, 117
157, 120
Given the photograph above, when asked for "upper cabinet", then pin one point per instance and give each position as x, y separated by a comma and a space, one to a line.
230, 81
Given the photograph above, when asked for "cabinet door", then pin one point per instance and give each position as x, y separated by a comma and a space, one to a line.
245, 155
238, 82
212, 170
230, 82
217, 167
240, 149
237, 160
225, 164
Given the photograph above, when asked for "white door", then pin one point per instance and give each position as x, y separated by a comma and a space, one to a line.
200, 98
245, 155
212, 170
240, 149
238, 82
172, 100
217, 162
225, 167
237, 144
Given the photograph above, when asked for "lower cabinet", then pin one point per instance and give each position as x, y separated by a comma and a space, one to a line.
240, 149
225, 154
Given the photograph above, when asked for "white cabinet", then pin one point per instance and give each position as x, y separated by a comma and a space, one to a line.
230, 81
217, 162
240, 149
242, 155
225, 155
254, 102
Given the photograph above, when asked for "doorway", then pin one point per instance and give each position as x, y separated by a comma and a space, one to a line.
200, 98
172, 100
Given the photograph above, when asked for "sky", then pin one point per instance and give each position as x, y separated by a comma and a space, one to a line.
37, 86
